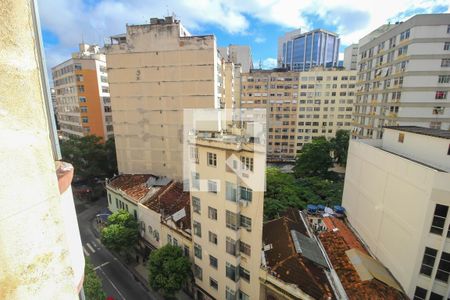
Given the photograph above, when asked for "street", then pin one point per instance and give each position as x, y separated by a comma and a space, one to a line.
117, 281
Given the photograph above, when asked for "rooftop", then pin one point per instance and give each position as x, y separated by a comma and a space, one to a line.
445, 134
173, 202
135, 186
286, 263
361, 275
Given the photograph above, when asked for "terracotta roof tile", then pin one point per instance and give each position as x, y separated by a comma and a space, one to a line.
287, 265
132, 185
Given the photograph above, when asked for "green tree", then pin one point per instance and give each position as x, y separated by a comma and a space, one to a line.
168, 270
339, 145
121, 233
90, 157
314, 159
316, 190
281, 193
92, 285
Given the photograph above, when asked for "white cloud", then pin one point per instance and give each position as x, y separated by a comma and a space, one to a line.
269, 63
72, 20
259, 39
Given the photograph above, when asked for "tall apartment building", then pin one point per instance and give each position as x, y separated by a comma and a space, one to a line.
155, 71
238, 54
351, 57
82, 94
397, 196
303, 51
404, 76
300, 105
227, 199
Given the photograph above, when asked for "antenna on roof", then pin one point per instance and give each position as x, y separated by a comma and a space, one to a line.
260, 64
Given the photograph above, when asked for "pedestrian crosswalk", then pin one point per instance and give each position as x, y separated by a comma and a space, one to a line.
91, 247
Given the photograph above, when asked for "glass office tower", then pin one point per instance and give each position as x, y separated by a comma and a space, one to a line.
303, 51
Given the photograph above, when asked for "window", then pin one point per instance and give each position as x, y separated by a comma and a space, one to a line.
448, 151
85, 119
404, 35
82, 99
230, 294
247, 163
230, 272
105, 89
198, 272
81, 88
231, 220
198, 251
420, 293
438, 110
79, 77
230, 191
444, 79
447, 46
194, 154
77, 66
212, 186
245, 274
441, 95
212, 213
401, 137
428, 261
434, 296
196, 204
243, 296
175, 242
231, 246
197, 229
186, 251
440, 214
445, 62
213, 283
212, 159
245, 193
246, 223
443, 270
195, 180
245, 248
169, 239
213, 262
212, 237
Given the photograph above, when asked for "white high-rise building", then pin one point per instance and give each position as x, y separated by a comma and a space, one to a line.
397, 197
351, 57
404, 76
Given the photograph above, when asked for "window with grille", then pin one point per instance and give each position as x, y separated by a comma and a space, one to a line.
197, 229
212, 186
245, 248
213, 262
244, 274
245, 193
212, 237
231, 220
212, 213
247, 163
196, 204
443, 270
213, 283
198, 251
212, 159
231, 246
440, 214
429, 258
230, 272
246, 222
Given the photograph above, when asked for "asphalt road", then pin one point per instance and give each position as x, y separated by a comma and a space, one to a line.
117, 281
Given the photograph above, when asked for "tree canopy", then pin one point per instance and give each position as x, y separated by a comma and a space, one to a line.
92, 285
339, 145
314, 159
121, 233
90, 157
168, 269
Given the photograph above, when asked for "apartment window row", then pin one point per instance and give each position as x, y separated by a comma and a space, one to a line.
439, 217
444, 79
235, 221
172, 241
233, 192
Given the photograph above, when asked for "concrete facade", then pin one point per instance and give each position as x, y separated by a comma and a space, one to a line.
82, 94
300, 105
404, 76
41, 253
397, 195
351, 57
227, 217
155, 71
238, 54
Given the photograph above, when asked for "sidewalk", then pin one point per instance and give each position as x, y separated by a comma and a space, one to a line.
139, 272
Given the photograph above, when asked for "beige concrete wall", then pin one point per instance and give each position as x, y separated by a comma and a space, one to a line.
390, 201
35, 257
254, 210
152, 219
152, 78
299, 106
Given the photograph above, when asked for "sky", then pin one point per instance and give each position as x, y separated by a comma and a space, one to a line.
258, 23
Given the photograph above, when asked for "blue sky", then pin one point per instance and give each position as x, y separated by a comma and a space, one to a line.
257, 23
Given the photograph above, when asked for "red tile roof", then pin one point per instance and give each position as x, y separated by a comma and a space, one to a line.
335, 244
132, 185
286, 264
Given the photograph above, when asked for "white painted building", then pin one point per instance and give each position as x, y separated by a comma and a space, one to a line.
397, 197
404, 76
351, 57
